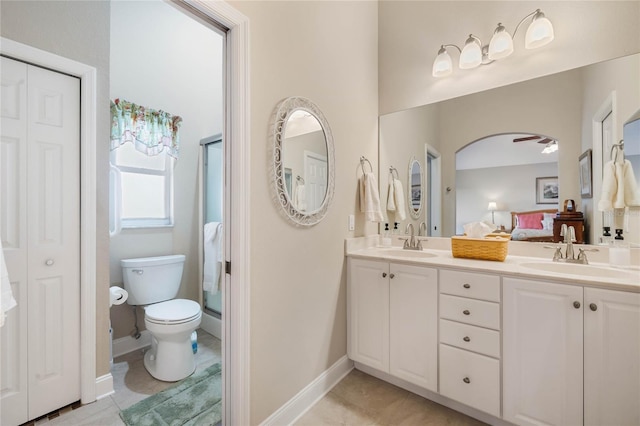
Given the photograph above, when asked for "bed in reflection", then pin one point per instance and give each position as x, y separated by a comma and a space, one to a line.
533, 225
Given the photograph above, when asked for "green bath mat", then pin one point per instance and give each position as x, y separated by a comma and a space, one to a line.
195, 401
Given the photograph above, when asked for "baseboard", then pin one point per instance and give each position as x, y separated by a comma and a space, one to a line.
127, 344
312, 393
104, 386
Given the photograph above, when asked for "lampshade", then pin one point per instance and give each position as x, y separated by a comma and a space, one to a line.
501, 44
471, 55
442, 66
539, 33
492, 206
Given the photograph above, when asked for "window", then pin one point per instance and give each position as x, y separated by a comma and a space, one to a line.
141, 188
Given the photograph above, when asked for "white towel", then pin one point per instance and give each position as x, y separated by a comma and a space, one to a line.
299, 198
7, 301
401, 212
370, 198
619, 187
212, 267
391, 196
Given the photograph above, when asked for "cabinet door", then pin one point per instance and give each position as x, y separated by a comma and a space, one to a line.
542, 353
611, 357
368, 313
414, 324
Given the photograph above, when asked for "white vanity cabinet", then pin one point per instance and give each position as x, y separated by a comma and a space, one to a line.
392, 319
470, 339
549, 329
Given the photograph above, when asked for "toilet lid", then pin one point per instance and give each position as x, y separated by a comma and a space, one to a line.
176, 310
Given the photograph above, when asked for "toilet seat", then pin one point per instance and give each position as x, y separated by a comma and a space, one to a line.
176, 311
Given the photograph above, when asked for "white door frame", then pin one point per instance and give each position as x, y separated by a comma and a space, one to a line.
87, 75
236, 403
435, 187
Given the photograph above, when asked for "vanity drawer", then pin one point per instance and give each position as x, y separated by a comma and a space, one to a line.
470, 311
477, 286
477, 339
470, 378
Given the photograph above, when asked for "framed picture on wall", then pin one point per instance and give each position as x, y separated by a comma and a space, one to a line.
547, 190
584, 163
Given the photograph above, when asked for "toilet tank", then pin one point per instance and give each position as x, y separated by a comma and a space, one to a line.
152, 279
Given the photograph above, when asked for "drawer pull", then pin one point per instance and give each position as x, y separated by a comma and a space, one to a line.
576, 304
466, 312
384, 275
466, 339
391, 276
593, 307
467, 286
466, 380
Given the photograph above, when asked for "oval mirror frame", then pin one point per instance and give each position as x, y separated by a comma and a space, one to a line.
413, 211
279, 119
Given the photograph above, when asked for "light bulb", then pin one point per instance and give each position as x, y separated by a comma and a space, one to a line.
442, 65
501, 44
539, 33
471, 55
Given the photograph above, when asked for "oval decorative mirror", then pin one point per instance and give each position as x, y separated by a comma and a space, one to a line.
303, 161
415, 193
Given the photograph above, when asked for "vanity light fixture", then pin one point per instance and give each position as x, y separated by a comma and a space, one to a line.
539, 33
550, 147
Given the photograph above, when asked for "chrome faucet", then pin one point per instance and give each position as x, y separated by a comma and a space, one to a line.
422, 229
411, 243
569, 234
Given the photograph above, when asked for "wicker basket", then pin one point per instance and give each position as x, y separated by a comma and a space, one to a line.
492, 247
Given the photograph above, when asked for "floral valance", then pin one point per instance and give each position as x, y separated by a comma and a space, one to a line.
148, 129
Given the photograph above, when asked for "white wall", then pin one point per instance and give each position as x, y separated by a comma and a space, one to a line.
79, 31
326, 52
513, 188
163, 59
411, 33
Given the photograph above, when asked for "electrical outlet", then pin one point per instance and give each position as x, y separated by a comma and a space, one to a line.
352, 222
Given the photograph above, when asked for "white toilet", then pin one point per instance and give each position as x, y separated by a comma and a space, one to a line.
154, 282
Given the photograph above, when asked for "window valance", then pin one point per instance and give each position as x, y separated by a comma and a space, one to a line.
148, 129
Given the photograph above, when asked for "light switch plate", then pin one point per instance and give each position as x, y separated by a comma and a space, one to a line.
352, 222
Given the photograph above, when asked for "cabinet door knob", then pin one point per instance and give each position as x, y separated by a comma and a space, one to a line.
391, 276
467, 286
593, 307
466, 339
466, 380
576, 304
466, 312
384, 275
49, 262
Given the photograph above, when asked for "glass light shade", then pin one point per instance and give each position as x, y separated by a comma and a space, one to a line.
551, 147
539, 33
471, 55
492, 206
501, 44
442, 65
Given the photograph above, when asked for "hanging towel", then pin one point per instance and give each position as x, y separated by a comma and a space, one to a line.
7, 301
401, 212
370, 198
619, 187
299, 198
391, 195
212, 257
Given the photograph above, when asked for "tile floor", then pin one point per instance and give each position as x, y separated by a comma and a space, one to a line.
360, 399
132, 383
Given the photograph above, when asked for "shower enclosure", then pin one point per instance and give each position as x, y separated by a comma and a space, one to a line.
212, 232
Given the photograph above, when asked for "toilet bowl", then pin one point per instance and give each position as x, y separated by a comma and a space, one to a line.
153, 283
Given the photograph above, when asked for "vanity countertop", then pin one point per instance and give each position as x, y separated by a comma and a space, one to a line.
596, 274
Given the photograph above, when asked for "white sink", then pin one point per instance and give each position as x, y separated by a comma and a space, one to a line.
578, 269
414, 254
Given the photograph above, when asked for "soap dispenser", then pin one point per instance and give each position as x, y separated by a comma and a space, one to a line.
386, 236
619, 251
606, 238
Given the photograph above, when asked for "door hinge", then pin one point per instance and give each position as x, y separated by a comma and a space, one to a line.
227, 267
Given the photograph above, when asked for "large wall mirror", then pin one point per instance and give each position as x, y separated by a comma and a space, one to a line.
569, 108
303, 161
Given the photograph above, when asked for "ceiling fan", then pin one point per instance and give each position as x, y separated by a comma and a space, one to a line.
531, 138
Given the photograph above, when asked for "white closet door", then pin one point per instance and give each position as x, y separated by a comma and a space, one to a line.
40, 227
13, 228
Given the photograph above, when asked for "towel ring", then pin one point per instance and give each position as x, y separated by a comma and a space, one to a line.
618, 148
391, 170
362, 160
